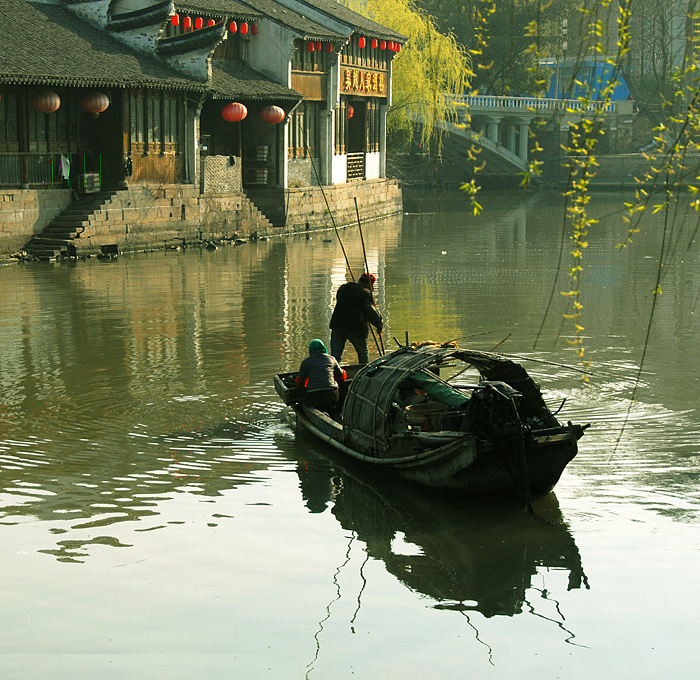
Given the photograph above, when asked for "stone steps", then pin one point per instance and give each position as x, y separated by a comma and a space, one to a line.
58, 236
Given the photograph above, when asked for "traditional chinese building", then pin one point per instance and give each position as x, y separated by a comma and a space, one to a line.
183, 121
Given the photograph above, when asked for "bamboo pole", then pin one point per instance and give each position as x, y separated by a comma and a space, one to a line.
379, 343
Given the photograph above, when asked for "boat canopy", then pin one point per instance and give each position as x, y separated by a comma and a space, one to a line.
370, 405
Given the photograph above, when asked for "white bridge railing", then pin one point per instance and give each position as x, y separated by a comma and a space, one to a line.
530, 104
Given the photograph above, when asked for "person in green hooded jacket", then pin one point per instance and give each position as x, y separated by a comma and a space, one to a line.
320, 376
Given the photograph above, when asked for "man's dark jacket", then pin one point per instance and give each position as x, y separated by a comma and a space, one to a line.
354, 310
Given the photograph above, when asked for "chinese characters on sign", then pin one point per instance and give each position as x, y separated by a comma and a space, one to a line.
356, 80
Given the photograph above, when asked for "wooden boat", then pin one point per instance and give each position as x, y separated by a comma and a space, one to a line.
407, 412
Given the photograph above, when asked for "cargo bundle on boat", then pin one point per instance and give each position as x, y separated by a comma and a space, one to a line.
408, 412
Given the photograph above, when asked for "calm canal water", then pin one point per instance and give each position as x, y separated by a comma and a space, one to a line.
161, 517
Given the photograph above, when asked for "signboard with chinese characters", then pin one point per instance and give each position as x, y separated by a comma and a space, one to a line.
362, 81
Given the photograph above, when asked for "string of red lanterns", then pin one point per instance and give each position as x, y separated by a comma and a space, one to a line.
317, 46
382, 44
244, 28
236, 112
312, 45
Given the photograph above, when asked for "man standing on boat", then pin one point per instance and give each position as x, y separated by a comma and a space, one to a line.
354, 312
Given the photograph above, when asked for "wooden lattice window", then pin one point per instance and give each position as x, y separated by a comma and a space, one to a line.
153, 121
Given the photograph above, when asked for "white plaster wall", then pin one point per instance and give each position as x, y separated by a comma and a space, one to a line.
196, 64
141, 39
122, 6
317, 16
270, 51
340, 169
373, 165
94, 12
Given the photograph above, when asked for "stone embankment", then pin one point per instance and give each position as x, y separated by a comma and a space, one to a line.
155, 217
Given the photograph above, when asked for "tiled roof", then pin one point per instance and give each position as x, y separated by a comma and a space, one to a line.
46, 44
219, 8
341, 12
235, 79
206, 37
306, 28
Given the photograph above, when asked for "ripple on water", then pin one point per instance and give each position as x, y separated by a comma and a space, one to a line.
79, 486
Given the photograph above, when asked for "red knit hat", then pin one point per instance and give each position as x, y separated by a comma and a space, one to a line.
369, 277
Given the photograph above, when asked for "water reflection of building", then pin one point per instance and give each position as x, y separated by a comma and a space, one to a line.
474, 556
98, 358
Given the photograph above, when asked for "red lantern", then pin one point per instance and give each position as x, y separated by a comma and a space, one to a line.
95, 103
254, 29
318, 45
382, 45
234, 112
398, 47
272, 114
198, 23
391, 45
362, 42
351, 111
233, 27
310, 47
187, 22
211, 22
329, 47
244, 28
46, 101
374, 43
175, 19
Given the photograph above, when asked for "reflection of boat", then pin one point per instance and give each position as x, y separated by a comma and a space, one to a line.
398, 413
473, 557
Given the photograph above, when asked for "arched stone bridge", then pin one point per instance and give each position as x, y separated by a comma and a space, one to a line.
501, 126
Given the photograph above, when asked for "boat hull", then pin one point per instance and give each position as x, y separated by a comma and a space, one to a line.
500, 438
459, 464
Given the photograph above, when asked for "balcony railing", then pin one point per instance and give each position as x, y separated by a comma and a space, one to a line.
45, 169
356, 166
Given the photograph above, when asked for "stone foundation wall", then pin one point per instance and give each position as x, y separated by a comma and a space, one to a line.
307, 208
156, 217
25, 212
151, 218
